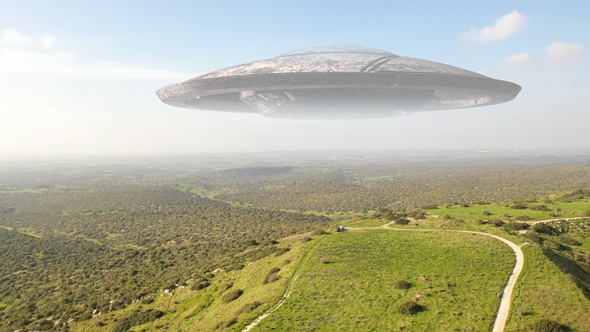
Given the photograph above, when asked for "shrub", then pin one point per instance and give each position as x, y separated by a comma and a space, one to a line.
430, 207
524, 217
249, 307
389, 215
225, 324
200, 285
231, 322
547, 325
550, 244
235, 267
533, 237
252, 242
148, 300
402, 284
401, 221
305, 239
539, 208
281, 251
231, 295
137, 318
570, 241
409, 308
318, 231
271, 276
516, 226
269, 242
417, 214
324, 260
486, 213
519, 206
496, 222
577, 195
545, 229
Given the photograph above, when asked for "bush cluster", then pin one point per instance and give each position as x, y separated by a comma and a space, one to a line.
226, 324
318, 232
271, 276
539, 208
496, 222
200, 284
516, 226
519, 206
402, 284
570, 241
401, 221
545, 229
249, 307
410, 308
137, 317
231, 295
547, 325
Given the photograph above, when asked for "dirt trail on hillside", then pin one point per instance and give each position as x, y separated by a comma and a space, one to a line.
504, 309
505, 302
287, 293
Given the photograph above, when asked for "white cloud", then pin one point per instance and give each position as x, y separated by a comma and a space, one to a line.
21, 54
518, 59
66, 65
503, 28
48, 40
11, 37
560, 51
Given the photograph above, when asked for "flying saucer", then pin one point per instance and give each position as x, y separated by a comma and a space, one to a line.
338, 82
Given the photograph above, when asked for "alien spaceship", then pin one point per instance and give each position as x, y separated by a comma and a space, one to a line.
338, 81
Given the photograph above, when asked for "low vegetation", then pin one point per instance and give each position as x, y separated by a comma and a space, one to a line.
410, 308
212, 244
358, 289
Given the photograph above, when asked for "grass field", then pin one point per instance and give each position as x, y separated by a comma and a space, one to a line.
503, 212
349, 283
543, 291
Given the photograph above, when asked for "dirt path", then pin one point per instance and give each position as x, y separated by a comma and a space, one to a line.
550, 220
503, 310
275, 307
505, 302
287, 293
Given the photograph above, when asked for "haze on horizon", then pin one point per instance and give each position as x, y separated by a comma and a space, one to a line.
81, 78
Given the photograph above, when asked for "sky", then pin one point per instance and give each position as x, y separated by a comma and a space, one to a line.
79, 77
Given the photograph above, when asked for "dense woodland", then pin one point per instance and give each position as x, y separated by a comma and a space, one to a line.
79, 237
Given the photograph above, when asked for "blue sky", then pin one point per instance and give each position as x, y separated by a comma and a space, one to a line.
79, 77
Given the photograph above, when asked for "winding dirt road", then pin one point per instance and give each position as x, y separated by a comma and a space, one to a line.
287, 293
503, 310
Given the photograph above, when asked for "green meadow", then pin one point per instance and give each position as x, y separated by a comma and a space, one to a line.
531, 212
543, 291
349, 283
